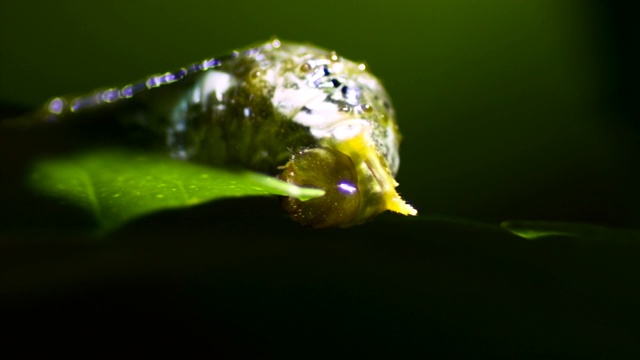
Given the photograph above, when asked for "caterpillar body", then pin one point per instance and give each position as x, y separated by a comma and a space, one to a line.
299, 112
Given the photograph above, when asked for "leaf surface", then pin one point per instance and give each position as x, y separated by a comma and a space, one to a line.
117, 186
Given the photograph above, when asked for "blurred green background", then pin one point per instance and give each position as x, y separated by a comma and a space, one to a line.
508, 109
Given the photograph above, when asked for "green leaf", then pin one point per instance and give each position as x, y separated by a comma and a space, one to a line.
537, 229
117, 186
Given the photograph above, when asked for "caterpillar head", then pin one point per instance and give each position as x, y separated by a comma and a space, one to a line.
357, 181
331, 171
356, 156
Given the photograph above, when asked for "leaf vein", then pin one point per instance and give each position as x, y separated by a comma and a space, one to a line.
91, 194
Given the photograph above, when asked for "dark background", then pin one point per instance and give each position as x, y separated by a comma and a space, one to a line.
509, 110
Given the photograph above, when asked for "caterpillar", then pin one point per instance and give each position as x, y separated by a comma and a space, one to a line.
296, 111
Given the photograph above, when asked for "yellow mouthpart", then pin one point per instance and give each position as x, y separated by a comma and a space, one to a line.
375, 181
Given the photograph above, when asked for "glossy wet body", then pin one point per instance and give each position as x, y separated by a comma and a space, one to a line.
296, 111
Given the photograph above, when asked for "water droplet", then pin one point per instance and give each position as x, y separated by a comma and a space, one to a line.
256, 74
305, 67
127, 91
110, 95
211, 63
56, 106
366, 108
